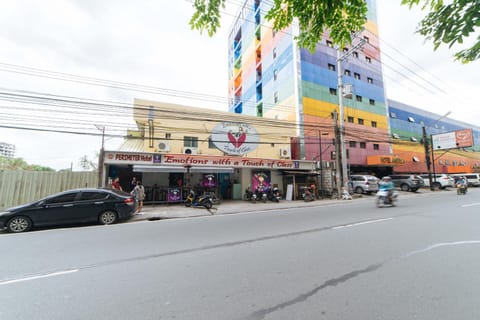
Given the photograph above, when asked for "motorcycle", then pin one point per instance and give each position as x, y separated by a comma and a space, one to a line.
261, 194
307, 194
461, 188
250, 195
274, 194
384, 199
193, 200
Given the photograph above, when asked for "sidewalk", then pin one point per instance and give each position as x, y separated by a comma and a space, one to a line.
165, 211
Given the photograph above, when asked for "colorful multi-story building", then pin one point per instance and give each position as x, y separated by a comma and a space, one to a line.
7, 150
271, 77
411, 125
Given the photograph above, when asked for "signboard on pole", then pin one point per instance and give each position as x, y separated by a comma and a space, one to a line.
452, 140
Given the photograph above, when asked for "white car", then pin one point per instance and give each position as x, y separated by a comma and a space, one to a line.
440, 181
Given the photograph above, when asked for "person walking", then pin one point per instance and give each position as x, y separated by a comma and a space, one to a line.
139, 193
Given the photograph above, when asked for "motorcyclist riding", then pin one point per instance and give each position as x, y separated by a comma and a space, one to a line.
387, 184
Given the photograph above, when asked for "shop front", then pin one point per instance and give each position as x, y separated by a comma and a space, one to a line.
169, 177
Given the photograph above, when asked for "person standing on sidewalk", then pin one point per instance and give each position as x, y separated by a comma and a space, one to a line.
139, 193
116, 184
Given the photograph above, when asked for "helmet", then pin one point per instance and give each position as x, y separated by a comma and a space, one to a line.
387, 178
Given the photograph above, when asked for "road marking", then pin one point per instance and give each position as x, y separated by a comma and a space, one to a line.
470, 205
54, 274
443, 244
361, 223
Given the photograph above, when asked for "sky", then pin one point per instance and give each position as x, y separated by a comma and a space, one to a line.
146, 49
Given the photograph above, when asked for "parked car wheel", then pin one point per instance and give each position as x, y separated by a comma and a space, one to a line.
19, 224
404, 187
108, 217
358, 190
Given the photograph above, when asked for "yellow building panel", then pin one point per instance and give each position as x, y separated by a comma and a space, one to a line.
372, 27
324, 109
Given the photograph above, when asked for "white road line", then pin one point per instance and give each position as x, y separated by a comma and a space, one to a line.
470, 205
54, 274
360, 223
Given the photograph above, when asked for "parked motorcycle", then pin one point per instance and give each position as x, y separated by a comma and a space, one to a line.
274, 194
383, 198
194, 200
250, 195
461, 188
261, 193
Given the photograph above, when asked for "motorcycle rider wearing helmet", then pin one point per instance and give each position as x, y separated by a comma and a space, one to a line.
387, 184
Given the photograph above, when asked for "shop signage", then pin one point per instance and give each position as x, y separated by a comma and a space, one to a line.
454, 139
128, 158
235, 138
237, 162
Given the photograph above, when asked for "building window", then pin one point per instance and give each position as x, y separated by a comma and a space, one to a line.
395, 136
350, 119
273, 33
331, 67
353, 144
190, 142
356, 75
211, 145
376, 146
345, 50
275, 75
355, 54
374, 124
347, 72
369, 80
168, 136
333, 155
358, 98
368, 59
372, 102
329, 43
275, 97
274, 53
411, 119
366, 39
333, 91
393, 115
363, 145
360, 121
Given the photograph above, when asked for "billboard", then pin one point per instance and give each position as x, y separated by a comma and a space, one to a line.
454, 139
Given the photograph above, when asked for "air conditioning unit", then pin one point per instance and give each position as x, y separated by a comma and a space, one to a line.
285, 153
163, 146
190, 150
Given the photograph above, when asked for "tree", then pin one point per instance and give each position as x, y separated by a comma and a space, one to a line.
450, 24
20, 164
444, 23
342, 17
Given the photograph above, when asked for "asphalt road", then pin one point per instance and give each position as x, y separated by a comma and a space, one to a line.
419, 260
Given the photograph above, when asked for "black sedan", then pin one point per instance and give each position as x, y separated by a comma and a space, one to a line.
105, 206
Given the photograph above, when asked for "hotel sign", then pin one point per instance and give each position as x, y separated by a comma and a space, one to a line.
128, 158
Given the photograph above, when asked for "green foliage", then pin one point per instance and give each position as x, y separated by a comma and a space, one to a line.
341, 17
20, 164
444, 23
450, 24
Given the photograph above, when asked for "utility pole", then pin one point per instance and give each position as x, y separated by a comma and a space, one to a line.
427, 156
101, 157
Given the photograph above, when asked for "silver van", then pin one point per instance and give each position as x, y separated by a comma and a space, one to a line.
363, 183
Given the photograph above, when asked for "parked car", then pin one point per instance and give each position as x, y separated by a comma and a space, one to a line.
473, 179
439, 181
407, 182
363, 183
105, 206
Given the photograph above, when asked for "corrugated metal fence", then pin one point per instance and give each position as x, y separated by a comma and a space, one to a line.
19, 187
